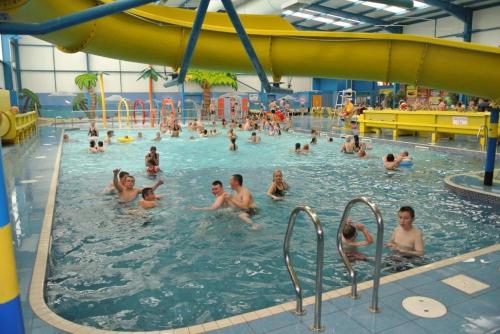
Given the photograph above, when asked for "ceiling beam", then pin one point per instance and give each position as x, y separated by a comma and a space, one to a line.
351, 16
455, 10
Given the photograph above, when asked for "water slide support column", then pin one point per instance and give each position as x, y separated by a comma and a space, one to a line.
183, 112
11, 317
492, 147
7, 70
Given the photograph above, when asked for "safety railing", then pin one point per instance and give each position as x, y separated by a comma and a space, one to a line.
378, 253
316, 327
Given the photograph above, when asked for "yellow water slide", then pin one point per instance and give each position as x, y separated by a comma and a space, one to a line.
156, 34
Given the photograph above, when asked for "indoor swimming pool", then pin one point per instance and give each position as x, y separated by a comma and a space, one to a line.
108, 269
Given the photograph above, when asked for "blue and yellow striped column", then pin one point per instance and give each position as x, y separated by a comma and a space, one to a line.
11, 318
492, 147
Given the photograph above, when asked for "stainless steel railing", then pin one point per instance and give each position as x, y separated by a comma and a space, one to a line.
316, 327
378, 253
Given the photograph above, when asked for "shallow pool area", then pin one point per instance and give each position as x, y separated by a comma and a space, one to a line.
110, 270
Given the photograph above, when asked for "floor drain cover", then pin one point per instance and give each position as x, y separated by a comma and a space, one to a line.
424, 307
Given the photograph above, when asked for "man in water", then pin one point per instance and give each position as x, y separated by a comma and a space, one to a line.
242, 200
127, 192
220, 201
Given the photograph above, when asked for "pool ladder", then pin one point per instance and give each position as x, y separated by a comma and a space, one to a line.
299, 310
378, 252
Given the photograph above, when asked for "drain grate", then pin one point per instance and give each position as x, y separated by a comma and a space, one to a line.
424, 307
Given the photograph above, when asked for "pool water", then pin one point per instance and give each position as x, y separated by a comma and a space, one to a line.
110, 270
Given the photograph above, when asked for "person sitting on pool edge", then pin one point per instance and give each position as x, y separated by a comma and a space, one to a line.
349, 243
277, 189
220, 201
407, 239
149, 198
127, 192
242, 199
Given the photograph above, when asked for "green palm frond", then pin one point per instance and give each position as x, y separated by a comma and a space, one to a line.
149, 73
86, 80
212, 78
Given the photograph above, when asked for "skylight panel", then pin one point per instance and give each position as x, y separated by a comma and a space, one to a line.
323, 19
342, 24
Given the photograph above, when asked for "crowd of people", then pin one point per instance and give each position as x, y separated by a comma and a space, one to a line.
406, 239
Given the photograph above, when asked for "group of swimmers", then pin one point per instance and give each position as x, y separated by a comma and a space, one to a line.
406, 240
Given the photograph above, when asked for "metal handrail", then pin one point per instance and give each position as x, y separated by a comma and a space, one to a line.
316, 327
378, 253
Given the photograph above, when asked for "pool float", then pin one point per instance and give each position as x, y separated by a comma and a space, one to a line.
125, 139
406, 163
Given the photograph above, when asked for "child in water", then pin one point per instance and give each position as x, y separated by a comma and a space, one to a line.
149, 198
151, 168
349, 243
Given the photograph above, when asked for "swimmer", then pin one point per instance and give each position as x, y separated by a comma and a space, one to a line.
405, 156
305, 148
390, 163
93, 132
330, 139
233, 146
109, 135
220, 201
204, 133
151, 168
66, 138
362, 151
231, 134
277, 189
254, 138
243, 200
158, 136
139, 136
152, 154
92, 148
176, 129
407, 239
149, 198
127, 192
314, 140
110, 189
348, 146
297, 148
100, 146
349, 243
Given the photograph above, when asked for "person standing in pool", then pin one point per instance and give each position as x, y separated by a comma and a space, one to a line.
152, 155
220, 201
277, 189
93, 132
243, 200
407, 239
127, 192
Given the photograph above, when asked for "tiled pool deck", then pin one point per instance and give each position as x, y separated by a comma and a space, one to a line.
29, 168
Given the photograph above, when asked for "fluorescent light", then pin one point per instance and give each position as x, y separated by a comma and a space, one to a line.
374, 4
323, 19
395, 9
303, 15
419, 4
342, 24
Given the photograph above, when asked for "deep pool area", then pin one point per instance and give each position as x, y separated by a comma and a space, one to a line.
110, 270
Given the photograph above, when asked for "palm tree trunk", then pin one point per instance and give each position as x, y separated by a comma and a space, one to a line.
206, 98
26, 104
151, 102
92, 102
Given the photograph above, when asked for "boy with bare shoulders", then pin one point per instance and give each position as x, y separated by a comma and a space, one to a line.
149, 198
127, 192
407, 239
243, 200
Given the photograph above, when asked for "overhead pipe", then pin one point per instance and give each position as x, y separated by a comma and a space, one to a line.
70, 20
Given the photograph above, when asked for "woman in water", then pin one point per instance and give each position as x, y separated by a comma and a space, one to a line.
232, 146
277, 189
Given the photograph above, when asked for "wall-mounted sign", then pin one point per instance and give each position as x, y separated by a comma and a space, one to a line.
460, 120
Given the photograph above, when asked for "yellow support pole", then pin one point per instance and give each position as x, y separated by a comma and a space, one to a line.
103, 100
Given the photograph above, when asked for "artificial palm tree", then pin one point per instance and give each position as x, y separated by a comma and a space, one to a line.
89, 82
208, 79
80, 103
31, 101
152, 75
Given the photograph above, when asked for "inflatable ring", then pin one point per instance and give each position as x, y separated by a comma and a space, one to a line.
406, 163
125, 139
